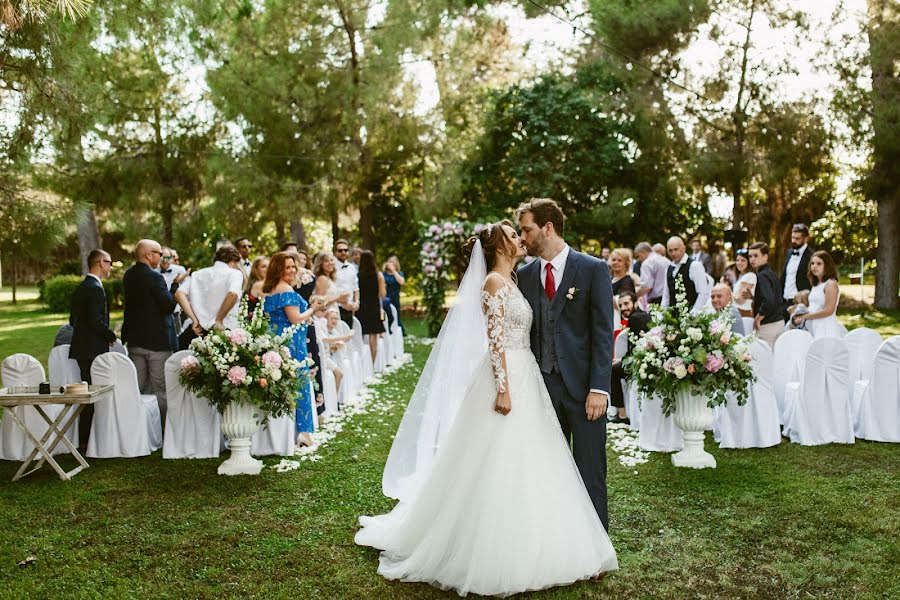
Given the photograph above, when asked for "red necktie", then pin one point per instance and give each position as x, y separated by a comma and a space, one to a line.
550, 283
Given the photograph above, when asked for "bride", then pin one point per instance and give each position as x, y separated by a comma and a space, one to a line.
490, 499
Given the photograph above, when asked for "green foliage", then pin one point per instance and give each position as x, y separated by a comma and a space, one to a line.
849, 228
442, 260
57, 292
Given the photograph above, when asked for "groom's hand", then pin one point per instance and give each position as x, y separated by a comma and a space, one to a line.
595, 405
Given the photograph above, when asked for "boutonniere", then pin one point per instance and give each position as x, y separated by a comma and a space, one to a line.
572, 293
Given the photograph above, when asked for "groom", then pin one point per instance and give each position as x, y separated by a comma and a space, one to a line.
572, 337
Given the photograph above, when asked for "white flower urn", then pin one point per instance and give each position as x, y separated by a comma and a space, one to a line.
693, 417
239, 424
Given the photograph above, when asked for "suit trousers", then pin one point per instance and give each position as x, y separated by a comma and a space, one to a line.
588, 439
617, 380
151, 374
86, 418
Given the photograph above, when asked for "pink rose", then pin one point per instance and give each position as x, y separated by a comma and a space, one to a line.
237, 375
726, 337
263, 383
273, 359
238, 336
189, 362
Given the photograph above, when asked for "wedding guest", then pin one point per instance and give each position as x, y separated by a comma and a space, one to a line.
148, 328
326, 275
222, 243
768, 321
254, 285
327, 361
306, 280
244, 247
730, 276
653, 273
660, 249
289, 247
286, 308
636, 322
795, 274
175, 259
604, 254
91, 335
821, 320
744, 288
355, 256
799, 307
692, 275
305, 286
698, 255
371, 291
394, 279
63, 335
209, 297
170, 270
347, 281
721, 299
621, 276
719, 260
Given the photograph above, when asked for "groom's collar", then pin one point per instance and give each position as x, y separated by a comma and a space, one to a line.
558, 261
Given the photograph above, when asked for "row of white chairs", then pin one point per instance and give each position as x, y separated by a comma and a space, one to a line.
129, 425
811, 391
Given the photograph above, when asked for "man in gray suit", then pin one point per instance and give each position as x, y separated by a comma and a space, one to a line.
571, 336
720, 298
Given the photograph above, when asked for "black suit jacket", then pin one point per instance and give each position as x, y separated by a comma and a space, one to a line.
89, 316
638, 323
802, 280
583, 325
149, 305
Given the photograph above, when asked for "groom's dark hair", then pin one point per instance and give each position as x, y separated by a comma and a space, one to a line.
544, 210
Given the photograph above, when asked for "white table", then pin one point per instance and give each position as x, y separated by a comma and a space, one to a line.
72, 404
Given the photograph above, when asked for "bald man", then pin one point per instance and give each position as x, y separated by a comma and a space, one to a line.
690, 272
148, 328
720, 297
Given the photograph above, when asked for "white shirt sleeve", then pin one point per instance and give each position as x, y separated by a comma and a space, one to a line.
665, 296
701, 283
236, 282
185, 287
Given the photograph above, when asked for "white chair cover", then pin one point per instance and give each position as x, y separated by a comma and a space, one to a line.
380, 363
329, 387
756, 424
63, 371
275, 436
862, 343
620, 346
388, 342
21, 370
127, 424
790, 356
118, 347
658, 432
193, 426
817, 409
879, 397
397, 336
362, 355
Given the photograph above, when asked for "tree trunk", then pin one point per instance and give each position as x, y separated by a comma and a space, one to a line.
14, 278
335, 228
88, 234
366, 226
298, 234
884, 180
280, 227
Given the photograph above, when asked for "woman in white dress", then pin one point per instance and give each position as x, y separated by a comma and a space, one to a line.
821, 320
325, 272
491, 501
744, 288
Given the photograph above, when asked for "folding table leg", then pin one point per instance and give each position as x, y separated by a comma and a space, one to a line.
60, 433
38, 447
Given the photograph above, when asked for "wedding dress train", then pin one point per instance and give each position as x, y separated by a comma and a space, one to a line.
503, 508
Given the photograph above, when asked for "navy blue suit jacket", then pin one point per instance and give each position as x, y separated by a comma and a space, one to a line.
584, 324
149, 305
89, 316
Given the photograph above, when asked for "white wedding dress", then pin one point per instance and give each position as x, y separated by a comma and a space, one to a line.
825, 327
503, 508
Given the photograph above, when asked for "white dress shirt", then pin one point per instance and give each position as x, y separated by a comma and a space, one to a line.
346, 278
701, 281
245, 265
559, 267
206, 291
171, 273
790, 276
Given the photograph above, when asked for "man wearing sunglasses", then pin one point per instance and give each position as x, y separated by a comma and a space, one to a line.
244, 247
170, 270
346, 280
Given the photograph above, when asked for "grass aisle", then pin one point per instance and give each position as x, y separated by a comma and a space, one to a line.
788, 522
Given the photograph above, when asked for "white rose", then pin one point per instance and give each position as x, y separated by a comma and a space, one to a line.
680, 371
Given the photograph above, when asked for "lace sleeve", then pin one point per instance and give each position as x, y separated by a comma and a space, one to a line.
494, 306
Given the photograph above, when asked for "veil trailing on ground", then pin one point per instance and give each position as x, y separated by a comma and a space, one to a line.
460, 346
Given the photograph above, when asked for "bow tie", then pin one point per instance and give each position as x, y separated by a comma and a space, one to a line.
795, 253
344, 266
164, 271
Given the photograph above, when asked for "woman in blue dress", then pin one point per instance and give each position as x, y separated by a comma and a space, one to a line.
285, 308
393, 280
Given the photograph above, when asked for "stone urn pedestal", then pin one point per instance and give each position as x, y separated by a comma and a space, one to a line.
693, 417
239, 424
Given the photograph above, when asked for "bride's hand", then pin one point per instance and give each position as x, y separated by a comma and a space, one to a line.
503, 404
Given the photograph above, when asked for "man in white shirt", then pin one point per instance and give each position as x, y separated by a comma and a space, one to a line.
692, 274
794, 276
210, 296
346, 280
244, 247
653, 273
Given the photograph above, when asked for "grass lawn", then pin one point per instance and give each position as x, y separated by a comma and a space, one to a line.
787, 522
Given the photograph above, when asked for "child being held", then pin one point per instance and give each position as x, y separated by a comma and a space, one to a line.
800, 307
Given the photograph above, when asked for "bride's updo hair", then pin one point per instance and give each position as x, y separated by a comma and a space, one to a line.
493, 239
